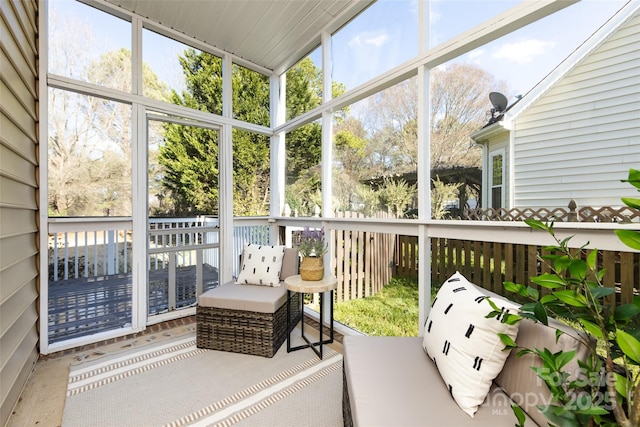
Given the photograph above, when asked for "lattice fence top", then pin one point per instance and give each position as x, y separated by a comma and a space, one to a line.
584, 214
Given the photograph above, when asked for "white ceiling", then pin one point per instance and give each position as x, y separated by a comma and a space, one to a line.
274, 34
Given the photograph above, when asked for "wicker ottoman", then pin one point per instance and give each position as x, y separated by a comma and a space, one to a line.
245, 319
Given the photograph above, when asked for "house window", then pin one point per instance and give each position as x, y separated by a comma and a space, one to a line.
496, 171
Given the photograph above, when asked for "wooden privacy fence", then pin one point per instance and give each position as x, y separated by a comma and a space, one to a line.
489, 264
363, 261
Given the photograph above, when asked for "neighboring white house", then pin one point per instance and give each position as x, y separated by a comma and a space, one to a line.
577, 133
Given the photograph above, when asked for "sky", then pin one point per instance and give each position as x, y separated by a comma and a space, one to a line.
386, 35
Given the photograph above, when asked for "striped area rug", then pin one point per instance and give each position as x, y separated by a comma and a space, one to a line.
175, 384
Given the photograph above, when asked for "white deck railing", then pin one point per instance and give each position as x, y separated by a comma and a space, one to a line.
183, 254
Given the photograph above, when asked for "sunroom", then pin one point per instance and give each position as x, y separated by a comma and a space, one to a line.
144, 143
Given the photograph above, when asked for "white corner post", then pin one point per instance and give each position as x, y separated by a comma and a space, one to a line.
278, 99
327, 158
424, 171
139, 163
225, 178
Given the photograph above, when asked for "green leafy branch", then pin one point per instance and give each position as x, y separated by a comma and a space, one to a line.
608, 388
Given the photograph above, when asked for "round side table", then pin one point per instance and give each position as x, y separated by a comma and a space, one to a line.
296, 284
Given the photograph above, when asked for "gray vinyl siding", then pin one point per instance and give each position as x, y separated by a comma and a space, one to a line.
581, 137
18, 199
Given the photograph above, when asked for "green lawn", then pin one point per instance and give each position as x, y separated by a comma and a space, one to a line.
391, 312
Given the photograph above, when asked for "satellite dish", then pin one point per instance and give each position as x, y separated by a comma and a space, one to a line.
499, 101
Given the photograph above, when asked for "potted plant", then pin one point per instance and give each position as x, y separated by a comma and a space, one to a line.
312, 247
608, 391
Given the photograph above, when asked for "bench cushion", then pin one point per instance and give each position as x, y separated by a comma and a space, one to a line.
520, 381
260, 299
230, 296
392, 382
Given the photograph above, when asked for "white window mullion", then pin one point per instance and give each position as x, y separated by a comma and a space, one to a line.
424, 168
225, 175
140, 213
136, 57
277, 101
327, 126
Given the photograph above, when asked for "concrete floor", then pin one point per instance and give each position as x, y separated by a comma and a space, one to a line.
42, 400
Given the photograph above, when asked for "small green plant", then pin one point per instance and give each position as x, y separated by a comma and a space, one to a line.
606, 391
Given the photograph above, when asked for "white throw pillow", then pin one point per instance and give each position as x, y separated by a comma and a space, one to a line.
463, 343
261, 265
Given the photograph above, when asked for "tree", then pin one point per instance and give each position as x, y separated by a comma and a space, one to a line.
304, 145
397, 195
89, 147
387, 122
441, 193
251, 163
189, 155
459, 94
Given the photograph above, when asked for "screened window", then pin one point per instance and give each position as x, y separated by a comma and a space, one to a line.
382, 37
89, 45
304, 85
89, 156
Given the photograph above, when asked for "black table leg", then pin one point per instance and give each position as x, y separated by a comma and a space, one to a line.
309, 344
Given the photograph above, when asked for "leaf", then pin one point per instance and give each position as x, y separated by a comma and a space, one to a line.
558, 334
562, 263
578, 269
629, 345
516, 288
592, 259
627, 311
621, 384
519, 413
541, 313
563, 358
633, 178
523, 352
559, 416
511, 319
592, 410
632, 203
630, 238
569, 296
536, 224
549, 281
492, 304
548, 298
532, 293
601, 292
507, 341
592, 328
